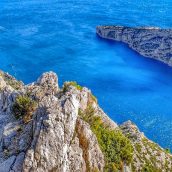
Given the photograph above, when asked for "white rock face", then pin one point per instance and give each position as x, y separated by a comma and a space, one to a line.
56, 139
48, 142
56, 130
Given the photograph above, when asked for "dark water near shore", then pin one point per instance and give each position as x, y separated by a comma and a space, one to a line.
38, 36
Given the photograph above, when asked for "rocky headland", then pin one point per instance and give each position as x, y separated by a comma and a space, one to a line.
45, 128
150, 42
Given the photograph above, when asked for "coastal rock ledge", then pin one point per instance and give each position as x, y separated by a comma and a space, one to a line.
45, 128
150, 42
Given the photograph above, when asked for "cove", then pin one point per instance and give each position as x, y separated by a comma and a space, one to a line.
38, 36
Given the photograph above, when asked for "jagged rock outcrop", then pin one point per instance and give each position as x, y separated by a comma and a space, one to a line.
48, 142
147, 154
57, 138
150, 42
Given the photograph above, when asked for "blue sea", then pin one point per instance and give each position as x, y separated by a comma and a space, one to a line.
43, 35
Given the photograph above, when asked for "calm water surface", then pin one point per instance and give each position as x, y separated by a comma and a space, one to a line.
38, 36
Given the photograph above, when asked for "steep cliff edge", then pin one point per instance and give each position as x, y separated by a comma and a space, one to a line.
150, 42
45, 128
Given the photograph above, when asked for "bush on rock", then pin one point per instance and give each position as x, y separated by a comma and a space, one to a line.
23, 108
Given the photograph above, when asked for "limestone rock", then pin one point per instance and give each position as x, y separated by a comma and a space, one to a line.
18, 165
76, 160
146, 153
57, 139
93, 156
6, 165
150, 42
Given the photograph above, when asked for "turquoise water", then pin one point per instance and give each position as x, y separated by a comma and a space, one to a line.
38, 36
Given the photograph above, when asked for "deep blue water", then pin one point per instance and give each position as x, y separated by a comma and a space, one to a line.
43, 35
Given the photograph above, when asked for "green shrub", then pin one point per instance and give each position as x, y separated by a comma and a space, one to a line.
23, 108
116, 147
66, 85
72, 83
167, 150
110, 167
149, 168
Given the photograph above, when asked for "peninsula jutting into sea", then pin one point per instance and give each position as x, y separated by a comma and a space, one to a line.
150, 42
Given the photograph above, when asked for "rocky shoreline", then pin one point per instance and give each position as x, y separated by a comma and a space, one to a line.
150, 42
51, 129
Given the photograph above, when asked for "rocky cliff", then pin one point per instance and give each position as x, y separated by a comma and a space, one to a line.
150, 42
45, 128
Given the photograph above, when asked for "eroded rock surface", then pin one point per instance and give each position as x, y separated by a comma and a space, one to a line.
57, 139
150, 42
147, 154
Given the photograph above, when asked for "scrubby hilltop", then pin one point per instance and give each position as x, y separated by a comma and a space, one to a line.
45, 128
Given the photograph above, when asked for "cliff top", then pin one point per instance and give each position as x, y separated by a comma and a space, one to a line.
48, 128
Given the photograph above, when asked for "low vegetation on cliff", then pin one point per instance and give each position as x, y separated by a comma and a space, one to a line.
116, 147
69, 132
24, 107
71, 83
